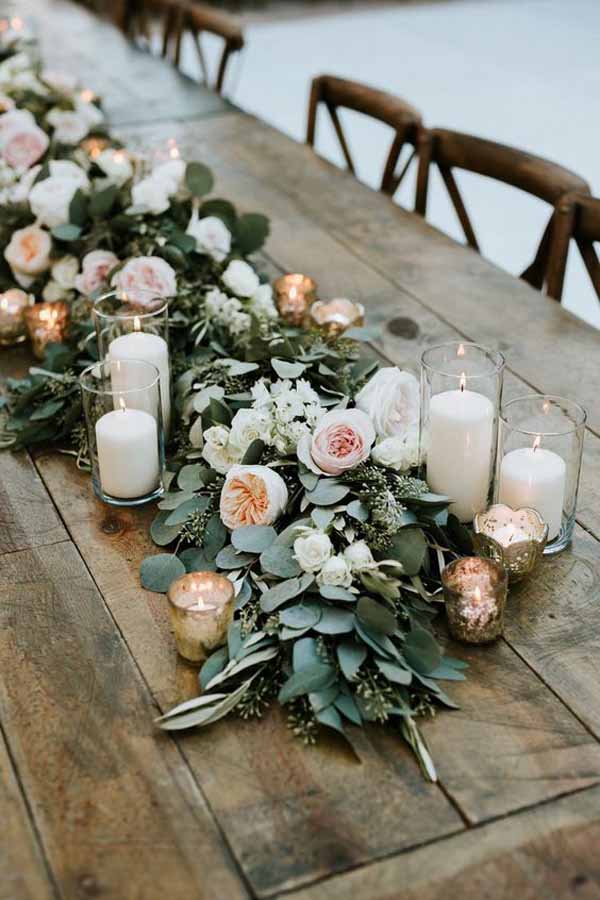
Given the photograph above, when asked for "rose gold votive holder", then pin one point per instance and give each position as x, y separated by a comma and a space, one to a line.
46, 323
202, 606
475, 594
513, 537
13, 304
294, 295
337, 315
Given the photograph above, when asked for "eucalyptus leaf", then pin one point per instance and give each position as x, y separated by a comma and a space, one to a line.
253, 538
234, 639
408, 547
47, 410
209, 714
195, 560
334, 592
346, 705
215, 536
421, 651
303, 615
101, 202
162, 534
174, 499
358, 510
312, 678
288, 369
158, 572
215, 664
189, 477
253, 454
279, 560
230, 558
233, 669
351, 656
335, 621
66, 232
309, 480
327, 492
322, 517
321, 699
187, 509
198, 179
305, 654
251, 231
394, 672
375, 616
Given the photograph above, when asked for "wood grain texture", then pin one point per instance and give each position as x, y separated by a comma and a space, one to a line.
28, 518
115, 804
23, 875
548, 853
289, 813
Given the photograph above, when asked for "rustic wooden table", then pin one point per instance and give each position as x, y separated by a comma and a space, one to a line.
95, 802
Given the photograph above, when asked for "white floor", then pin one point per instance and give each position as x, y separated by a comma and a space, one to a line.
523, 72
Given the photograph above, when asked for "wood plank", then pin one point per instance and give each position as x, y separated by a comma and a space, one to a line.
550, 852
23, 875
289, 812
113, 801
28, 518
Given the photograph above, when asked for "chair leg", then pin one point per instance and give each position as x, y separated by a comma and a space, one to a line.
338, 130
425, 151
592, 264
564, 220
313, 105
222, 66
459, 206
388, 180
535, 274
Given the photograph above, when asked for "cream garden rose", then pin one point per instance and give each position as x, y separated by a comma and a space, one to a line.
400, 452
241, 278
145, 277
69, 126
359, 557
211, 235
218, 452
116, 165
249, 425
28, 253
252, 495
336, 571
341, 440
50, 198
312, 549
391, 399
95, 267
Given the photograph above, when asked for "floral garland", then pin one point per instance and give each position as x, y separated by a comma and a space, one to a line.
292, 460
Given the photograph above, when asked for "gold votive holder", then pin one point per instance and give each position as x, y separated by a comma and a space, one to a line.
513, 537
337, 315
475, 593
13, 304
46, 323
294, 295
202, 606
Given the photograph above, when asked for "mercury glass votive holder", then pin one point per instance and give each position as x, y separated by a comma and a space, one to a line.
202, 606
337, 315
46, 323
294, 295
13, 304
513, 537
475, 593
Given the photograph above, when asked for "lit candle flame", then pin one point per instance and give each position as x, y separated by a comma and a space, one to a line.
122, 406
136, 324
477, 595
537, 443
87, 95
463, 381
119, 156
293, 293
461, 350
4, 304
173, 148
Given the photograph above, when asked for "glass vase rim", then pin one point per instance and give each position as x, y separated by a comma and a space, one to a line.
495, 356
151, 314
573, 404
104, 392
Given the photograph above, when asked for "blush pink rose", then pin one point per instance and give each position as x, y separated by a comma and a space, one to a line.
95, 267
28, 252
22, 148
145, 278
252, 495
342, 439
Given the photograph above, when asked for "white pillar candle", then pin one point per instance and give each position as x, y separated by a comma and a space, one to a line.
127, 442
461, 429
150, 348
535, 477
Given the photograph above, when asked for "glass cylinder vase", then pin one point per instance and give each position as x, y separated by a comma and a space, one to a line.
135, 325
461, 389
540, 445
123, 414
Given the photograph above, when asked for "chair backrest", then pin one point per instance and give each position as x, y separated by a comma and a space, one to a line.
406, 121
186, 16
537, 176
577, 218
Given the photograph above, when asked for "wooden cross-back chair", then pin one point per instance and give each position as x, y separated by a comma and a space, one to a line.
335, 93
577, 218
188, 17
540, 177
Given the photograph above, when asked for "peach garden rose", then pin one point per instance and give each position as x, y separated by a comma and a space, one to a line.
341, 440
23, 147
146, 275
95, 267
28, 253
252, 495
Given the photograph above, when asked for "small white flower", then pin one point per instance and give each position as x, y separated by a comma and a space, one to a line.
211, 235
241, 278
400, 452
70, 127
215, 301
312, 550
150, 195
239, 323
261, 302
358, 556
336, 571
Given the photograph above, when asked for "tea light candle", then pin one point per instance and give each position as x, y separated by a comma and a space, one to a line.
46, 324
150, 348
294, 294
13, 304
514, 537
461, 429
475, 594
202, 605
127, 442
535, 477
337, 315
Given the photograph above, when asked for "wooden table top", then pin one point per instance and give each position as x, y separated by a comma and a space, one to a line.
96, 803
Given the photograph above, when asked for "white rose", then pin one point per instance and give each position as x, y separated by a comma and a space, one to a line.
64, 271
89, 111
95, 267
170, 174
50, 200
239, 324
217, 451
28, 253
391, 399
20, 191
249, 425
211, 235
240, 278
116, 165
53, 291
65, 168
63, 82
336, 571
15, 119
358, 556
70, 127
400, 453
252, 495
149, 195
262, 302
312, 550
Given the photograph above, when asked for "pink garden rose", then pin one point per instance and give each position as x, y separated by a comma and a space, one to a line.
145, 278
252, 495
28, 253
22, 148
342, 439
95, 267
